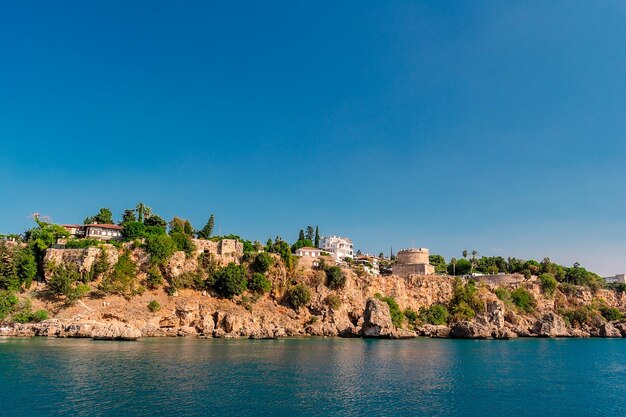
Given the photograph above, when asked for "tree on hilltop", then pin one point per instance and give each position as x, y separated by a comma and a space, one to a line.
104, 216
207, 230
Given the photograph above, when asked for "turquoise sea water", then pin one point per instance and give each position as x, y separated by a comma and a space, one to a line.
190, 377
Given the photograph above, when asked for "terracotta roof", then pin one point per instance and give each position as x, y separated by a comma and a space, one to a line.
72, 225
308, 248
105, 226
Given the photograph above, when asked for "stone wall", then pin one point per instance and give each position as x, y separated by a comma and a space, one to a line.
413, 269
83, 258
500, 279
224, 251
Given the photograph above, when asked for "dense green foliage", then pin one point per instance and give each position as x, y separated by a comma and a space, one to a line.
465, 303
104, 216
262, 262
523, 300
610, 313
548, 284
439, 263
397, 317
230, 280
435, 314
154, 306
41, 237
122, 278
182, 226
154, 278
133, 230
8, 301
335, 279
301, 243
459, 267
17, 266
25, 314
183, 243
298, 296
155, 222
282, 248
259, 283
207, 230
66, 280
580, 316
160, 248
411, 316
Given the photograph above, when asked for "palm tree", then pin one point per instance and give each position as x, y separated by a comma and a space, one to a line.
473, 264
453, 262
465, 254
143, 212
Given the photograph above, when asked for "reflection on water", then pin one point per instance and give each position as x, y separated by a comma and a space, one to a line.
189, 377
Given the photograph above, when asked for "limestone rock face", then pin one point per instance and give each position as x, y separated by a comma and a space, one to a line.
232, 323
495, 313
621, 326
115, 331
376, 319
608, 330
431, 330
551, 325
470, 330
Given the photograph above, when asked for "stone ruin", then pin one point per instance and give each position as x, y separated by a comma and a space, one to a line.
413, 261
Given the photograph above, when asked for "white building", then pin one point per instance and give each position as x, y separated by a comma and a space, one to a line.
618, 278
339, 247
309, 252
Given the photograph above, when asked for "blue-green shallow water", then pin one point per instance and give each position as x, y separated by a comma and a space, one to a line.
190, 377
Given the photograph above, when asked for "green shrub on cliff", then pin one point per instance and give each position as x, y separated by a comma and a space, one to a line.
411, 316
262, 262
17, 267
435, 314
579, 316
334, 301
298, 296
465, 303
259, 283
183, 243
154, 306
610, 313
230, 280
548, 284
122, 278
62, 279
26, 315
503, 294
335, 279
154, 278
8, 301
160, 248
523, 300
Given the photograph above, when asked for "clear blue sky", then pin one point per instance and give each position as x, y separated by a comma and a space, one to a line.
450, 125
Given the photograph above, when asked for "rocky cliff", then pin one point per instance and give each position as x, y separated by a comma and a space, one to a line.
355, 310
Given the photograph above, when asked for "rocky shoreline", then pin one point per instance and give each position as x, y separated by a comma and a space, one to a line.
376, 322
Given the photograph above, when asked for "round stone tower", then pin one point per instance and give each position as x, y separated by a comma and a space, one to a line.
413, 256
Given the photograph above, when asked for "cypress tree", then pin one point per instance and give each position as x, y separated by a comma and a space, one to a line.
317, 236
207, 230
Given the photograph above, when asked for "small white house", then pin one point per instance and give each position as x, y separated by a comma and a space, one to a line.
309, 252
339, 247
